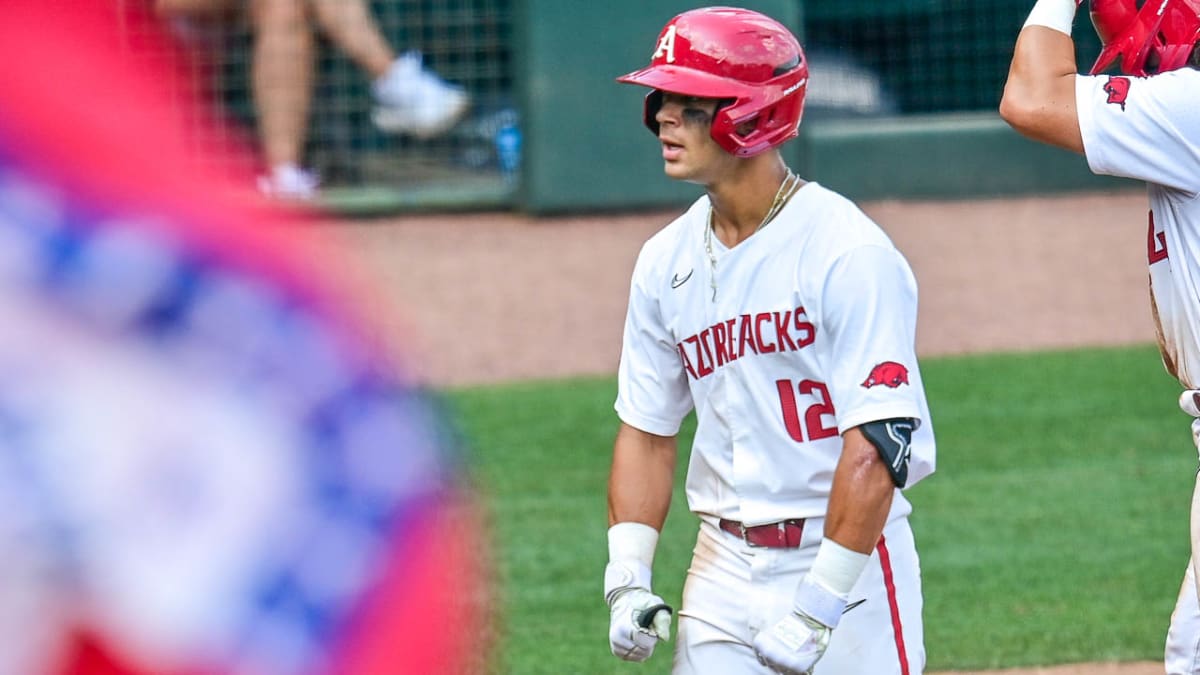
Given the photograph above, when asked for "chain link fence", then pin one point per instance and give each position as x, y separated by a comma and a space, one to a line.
916, 56
868, 59
362, 168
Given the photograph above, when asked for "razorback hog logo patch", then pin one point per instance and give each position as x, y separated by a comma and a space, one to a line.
1117, 89
888, 373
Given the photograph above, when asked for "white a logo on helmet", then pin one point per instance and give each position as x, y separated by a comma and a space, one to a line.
666, 45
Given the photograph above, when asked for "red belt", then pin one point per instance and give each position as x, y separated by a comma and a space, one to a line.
783, 534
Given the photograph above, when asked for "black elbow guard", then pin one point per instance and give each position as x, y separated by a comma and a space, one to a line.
893, 439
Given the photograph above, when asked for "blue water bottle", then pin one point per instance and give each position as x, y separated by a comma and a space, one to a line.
508, 151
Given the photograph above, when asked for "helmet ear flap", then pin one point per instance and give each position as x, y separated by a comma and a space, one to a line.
745, 128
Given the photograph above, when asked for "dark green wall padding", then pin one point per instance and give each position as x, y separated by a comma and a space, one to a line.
952, 155
584, 143
585, 148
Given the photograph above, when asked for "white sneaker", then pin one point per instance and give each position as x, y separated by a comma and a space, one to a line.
289, 182
412, 100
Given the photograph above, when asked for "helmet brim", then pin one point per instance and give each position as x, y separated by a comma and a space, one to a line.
687, 82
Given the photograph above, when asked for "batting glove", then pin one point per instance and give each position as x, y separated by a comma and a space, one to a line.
797, 641
639, 618
793, 645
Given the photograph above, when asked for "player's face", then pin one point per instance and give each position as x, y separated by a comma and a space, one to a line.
688, 149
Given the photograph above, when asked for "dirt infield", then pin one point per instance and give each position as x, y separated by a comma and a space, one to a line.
1140, 668
496, 297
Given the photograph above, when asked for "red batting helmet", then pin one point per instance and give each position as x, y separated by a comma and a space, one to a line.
1167, 29
730, 53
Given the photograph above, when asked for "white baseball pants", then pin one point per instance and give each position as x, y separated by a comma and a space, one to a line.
733, 591
1182, 655
1183, 638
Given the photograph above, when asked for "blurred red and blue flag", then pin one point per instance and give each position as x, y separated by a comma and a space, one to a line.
208, 463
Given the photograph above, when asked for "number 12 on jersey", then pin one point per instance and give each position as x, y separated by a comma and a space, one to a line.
814, 425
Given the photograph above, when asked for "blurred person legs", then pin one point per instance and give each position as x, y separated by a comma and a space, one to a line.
281, 81
410, 99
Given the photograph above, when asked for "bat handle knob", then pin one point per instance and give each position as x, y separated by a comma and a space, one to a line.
646, 618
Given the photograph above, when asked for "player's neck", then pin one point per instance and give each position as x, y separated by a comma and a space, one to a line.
745, 200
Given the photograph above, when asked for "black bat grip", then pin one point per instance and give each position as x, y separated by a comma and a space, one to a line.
646, 618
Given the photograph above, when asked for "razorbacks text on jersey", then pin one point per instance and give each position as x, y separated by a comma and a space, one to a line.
791, 351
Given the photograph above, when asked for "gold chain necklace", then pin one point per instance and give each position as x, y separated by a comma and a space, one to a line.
791, 183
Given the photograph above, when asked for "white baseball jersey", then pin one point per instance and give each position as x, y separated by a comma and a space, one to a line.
800, 332
1148, 128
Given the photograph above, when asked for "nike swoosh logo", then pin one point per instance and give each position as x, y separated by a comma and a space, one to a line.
676, 282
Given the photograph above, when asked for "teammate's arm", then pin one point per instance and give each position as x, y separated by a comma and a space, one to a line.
1039, 96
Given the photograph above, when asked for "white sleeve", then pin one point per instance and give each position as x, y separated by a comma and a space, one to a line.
1145, 128
870, 313
652, 390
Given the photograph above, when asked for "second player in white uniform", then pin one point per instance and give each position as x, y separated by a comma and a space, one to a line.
786, 318
1144, 124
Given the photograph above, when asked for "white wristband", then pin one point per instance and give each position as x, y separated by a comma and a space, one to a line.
632, 541
817, 602
822, 594
1056, 14
837, 567
630, 557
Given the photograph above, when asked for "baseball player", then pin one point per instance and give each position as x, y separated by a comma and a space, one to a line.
785, 318
1142, 123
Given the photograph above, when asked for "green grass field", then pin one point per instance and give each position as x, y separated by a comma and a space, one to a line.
1054, 531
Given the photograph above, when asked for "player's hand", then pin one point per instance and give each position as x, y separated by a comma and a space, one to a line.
793, 645
639, 620
639, 617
